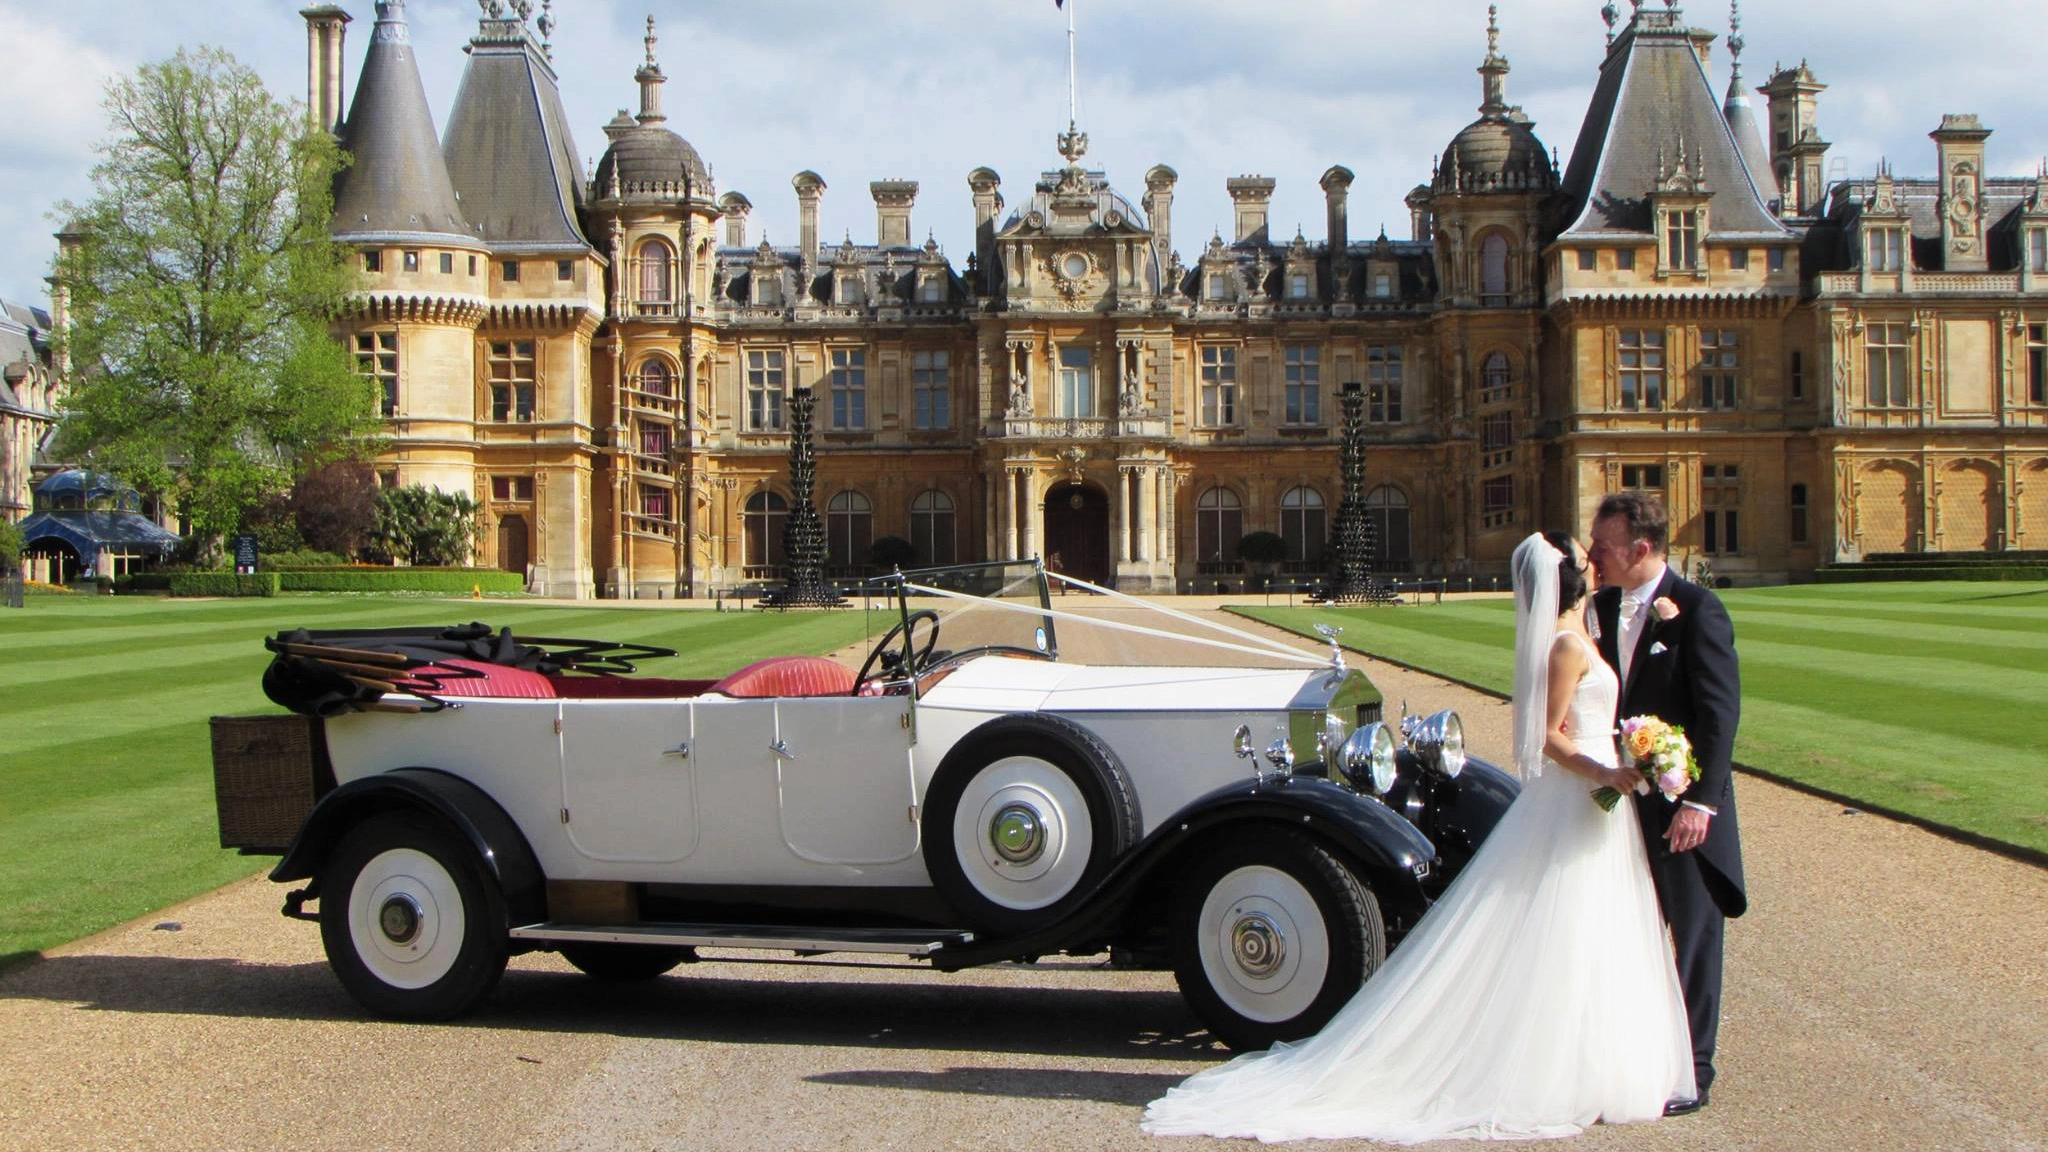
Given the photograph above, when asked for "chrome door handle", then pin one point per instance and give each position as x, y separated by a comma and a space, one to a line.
682, 750
781, 748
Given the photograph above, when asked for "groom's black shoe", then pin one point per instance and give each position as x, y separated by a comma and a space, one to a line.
1685, 1107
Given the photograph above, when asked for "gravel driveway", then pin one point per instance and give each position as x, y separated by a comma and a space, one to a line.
1889, 990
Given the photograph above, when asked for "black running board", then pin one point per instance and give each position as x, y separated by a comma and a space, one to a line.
802, 940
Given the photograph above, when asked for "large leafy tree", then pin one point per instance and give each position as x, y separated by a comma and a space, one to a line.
203, 288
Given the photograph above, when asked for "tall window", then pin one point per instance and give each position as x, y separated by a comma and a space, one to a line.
931, 389
849, 529
1884, 355
653, 502
1496, 380
656, 379
1643, 477
1720, 356
1798, 376
931, 528
765, 516
1496, 440
1297, 285
511, 369
1386, 509
1383, 379
1493, 265
1721, 509
1219, 385
1382, 286
1682, 239
1219, 285
1219, 521
1497, 501
1799, 529
657, 285
850, 289
931, 289
654, 440
2037, 362
1885, 249
1077, 382
1303, 525
1642, 368
377, 358
849, 380
764, 390
1304, 370
2037, 249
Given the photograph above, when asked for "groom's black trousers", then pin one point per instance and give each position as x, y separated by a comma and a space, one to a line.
1697, 929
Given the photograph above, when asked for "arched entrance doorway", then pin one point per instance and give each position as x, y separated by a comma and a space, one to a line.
1077, 532
515, 550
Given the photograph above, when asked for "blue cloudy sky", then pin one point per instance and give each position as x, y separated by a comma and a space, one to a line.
861, 90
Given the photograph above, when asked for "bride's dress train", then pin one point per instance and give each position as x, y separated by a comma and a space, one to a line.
1537, 997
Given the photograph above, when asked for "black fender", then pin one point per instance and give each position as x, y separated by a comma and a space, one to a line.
1395, 858
464, 807
1457, 815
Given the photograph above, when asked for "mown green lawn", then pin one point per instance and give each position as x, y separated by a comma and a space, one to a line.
106, 786
1929, 699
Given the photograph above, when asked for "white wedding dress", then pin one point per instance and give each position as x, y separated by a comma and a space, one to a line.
1537, 997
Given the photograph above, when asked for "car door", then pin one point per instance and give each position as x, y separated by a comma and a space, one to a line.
629, 780
845, 786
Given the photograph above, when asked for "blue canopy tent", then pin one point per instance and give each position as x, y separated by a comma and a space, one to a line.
88, 525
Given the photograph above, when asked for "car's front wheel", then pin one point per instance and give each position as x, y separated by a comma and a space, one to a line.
413, 926
1272, 935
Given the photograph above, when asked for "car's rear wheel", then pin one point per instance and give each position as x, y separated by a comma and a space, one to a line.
1023, 818
1272, 935
625, 963
413, 926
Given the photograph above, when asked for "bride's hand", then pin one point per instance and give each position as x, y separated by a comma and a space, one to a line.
1622, 780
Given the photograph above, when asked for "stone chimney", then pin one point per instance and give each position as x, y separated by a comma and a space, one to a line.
1421, 220
1158, 207
735, 207
893, 200
810, 188
988, 201
1252, 195
1336, 197
326, 29
1798, 154
1959, 147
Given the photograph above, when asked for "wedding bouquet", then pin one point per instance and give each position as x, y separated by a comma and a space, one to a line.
1658, 750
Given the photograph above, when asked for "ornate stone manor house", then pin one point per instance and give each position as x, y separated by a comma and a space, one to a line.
1808, 371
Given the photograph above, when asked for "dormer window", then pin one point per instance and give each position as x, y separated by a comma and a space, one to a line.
1219, 286
931, 289
1682, 239
1297, 286
1382, 286
1885, 249
849, 289
2037, 250
767, 289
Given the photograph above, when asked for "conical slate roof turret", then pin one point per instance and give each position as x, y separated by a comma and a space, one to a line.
509, 150
398, 188
1749, 137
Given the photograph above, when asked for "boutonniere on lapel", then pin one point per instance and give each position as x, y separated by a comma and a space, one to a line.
1666, 610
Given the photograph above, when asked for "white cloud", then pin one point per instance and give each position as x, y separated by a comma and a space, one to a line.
861, 90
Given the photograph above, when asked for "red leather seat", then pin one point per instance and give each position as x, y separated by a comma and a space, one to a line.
788, 676
491, 680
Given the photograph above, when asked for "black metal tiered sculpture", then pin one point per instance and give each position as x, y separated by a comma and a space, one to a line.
803, 536
1350, 580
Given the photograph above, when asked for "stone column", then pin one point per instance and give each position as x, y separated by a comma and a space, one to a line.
1008, 530
1148, 513
1123, 513
1034, 515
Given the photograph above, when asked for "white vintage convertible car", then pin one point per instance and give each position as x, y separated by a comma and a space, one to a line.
971, 795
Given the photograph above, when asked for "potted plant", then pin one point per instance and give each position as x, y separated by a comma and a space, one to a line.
1262, 552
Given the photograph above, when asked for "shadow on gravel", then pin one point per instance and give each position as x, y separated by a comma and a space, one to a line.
1132, 1088
802, 1005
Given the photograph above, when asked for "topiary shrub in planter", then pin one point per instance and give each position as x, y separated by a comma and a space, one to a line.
1263, 551
892, 552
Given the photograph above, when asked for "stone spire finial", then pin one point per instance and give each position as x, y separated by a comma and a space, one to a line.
1493, 29
1735, 40
650, 41
651, 79
1494, 68
546, 24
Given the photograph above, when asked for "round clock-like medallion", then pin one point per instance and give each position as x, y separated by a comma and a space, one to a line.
1074, 265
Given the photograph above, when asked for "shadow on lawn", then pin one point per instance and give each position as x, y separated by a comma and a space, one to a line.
2040, 594
813, 1007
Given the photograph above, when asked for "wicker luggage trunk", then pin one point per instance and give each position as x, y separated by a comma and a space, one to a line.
267, 772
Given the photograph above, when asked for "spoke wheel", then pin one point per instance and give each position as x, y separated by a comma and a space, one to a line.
1272, 935
413, 926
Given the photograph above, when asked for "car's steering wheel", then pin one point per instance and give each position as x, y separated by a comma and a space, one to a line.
884, 656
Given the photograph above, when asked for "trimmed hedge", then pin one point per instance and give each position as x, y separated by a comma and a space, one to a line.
224, 584
459, 580
144, 582
1891, 572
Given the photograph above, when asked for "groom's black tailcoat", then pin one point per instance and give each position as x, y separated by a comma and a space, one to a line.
1684, 671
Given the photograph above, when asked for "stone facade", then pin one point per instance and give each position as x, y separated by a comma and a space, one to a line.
604, 363
30, 388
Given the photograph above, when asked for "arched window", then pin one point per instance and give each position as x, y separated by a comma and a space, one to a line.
1493, 265
1386, 509
1302, 525
657, 378
1219, 521
766, 513
931, 528
657, 273
849, 529
1496, 380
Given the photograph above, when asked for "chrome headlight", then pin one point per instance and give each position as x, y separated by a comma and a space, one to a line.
1439, 742
1367, 760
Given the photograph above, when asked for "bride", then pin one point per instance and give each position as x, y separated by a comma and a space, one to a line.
1539, 995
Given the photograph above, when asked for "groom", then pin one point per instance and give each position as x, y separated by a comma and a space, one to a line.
1674, 648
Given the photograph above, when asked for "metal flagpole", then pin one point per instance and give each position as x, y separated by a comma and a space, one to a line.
1073, 97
